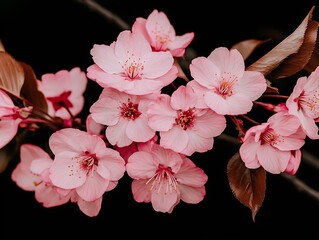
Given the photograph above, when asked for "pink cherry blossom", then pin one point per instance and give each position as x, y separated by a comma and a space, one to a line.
11, 117
129, 65
221, 82
31, 174
124, 115
183, 127
303, 102
164, 178
160, 33
274, 145
84, 163
64, 92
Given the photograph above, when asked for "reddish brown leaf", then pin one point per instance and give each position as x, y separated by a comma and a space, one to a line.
2, 47
290, 55
246, 47
30, 89
247, 185
313, 63
11, 74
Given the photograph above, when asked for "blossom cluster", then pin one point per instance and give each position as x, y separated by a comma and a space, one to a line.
136, 127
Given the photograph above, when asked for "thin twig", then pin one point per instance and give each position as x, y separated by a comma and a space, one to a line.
301, 186
105, 13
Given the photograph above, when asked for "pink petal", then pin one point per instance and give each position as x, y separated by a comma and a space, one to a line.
161, 117
248, 153
157, 64
49, 197
138, 130
183, 98
67, 173
164, 201
24, 179
209, 124
197, 143
199, 91
105, 111
134, 43
104, 57
226, 60
93, 188
234, 105
190, 194
191, 175
140, 191
8, 129
273, 160
140, 165
176, 139
204, 72
252, 84
90, 209
181, 42
116, 134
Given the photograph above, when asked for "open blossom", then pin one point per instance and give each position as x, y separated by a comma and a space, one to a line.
124, 115
221, 82
84, 163
160, 33
303, 102
164, 177
31, 174
183, 127
274, 145
10, 118
130, 65
64, 92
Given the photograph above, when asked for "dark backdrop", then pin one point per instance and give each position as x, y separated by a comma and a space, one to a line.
54, 35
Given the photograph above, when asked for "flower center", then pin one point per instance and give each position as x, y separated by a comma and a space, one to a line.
87, 162
129, 110
185, 119
226, 84
309, 104
61, 101
162, 38
163, 180
269, 136
132, 67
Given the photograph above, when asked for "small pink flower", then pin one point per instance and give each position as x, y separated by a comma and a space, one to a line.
274, 145
84, 163
303, 102
183, 127
160, 33
221, 82
129, 65
164, 177
31, 174
11, 117
64, 92
124, 115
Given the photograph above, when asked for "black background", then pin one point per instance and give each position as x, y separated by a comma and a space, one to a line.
54, 35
